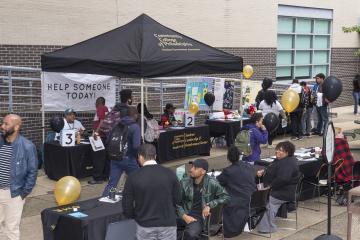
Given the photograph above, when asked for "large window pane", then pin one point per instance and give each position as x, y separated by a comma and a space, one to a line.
320, 69
283, 72
303, 26
284, 58
320, 57
285, 42
322, 27
302, 57
303, 71
321, 42
285, 25
303, 42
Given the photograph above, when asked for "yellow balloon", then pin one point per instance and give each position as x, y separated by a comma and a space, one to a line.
290, 100
193, 108
248, 71
67, 190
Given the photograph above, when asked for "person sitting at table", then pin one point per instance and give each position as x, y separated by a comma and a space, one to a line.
282, 176
239, 181
70, 123
343, 172
128, 162
199, 194
258, 135
168, 117
150, 197
268, 105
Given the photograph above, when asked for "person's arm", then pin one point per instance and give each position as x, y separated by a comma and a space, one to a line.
136, 136
179, 207
32, 167
221, 196
128, 199
261, 135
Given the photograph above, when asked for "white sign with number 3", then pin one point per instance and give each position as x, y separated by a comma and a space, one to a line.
67, 138
189, 120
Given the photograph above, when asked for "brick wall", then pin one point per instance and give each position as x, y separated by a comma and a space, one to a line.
344, 65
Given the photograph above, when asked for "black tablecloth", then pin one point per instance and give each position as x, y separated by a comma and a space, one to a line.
309, 169
227, 128
61, 226
67, 161
177, 143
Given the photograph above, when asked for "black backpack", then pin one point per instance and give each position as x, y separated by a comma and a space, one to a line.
117, 142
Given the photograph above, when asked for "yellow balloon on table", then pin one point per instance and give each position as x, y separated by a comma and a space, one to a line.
67, 190
193, 108
248, 71
290, 100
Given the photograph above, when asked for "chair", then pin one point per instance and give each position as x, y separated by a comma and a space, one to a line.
123, 230
257, 207
295, 202
355, 177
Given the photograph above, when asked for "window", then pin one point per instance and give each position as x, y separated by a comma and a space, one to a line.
303, 44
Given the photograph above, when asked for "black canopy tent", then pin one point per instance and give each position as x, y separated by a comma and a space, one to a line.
143, 48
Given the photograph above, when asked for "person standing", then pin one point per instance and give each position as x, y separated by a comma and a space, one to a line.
150, 197
128, 162
18, 172
356, 92
296, 115
238, 179
321, 105
308, 108
266, 84
100, 163
282, 176
199, 194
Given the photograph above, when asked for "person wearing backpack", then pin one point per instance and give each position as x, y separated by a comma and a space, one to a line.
296, 115
250, 137
122, 148
151, 126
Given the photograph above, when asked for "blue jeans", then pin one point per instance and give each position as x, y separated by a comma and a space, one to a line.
322, 118
128, 165
356, 96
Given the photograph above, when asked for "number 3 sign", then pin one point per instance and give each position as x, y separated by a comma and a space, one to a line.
189, 120
67, 138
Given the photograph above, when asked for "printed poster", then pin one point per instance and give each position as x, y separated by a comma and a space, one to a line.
196, 88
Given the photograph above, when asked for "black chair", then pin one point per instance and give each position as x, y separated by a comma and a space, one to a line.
257, 208
355, 177
123, 230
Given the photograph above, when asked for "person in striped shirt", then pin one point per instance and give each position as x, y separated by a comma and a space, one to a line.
18, 172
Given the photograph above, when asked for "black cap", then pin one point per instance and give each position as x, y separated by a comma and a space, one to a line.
169, 106
320, 75
200, 163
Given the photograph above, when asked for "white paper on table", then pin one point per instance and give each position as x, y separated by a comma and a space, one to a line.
97, 144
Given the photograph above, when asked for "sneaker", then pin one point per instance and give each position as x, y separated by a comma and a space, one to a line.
313, 130
315, 133
293, 138
300, 138
92, 182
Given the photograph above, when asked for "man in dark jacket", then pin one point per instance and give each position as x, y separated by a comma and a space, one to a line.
128, 163
282, 176
199, 194
239, 181
18, 172
321, 105
150, 197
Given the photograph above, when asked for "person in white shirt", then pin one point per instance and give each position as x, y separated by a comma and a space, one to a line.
71, 123
268, 105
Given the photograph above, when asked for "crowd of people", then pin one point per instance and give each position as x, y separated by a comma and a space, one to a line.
162, 206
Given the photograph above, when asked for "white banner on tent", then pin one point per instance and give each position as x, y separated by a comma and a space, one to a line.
219, 94
78, 91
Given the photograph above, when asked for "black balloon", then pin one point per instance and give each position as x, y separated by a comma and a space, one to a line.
271, 122
332, 88
56, 124
209, 99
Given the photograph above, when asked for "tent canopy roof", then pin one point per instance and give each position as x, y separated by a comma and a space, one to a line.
141, 48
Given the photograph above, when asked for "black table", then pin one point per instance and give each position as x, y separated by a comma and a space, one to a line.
178, 143
67, 161
309, 169
227, 128
58, 225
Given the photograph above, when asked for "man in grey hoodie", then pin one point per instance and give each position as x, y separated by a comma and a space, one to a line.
295, 116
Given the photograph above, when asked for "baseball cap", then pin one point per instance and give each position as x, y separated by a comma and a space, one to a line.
69, 111
170, 106
200, 163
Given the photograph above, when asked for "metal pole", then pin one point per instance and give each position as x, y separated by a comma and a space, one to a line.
329, 199
241, 101
10, 108
42, 108
161, 96
142, 108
